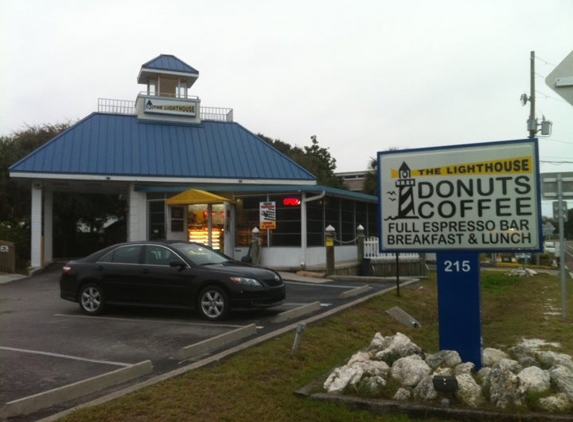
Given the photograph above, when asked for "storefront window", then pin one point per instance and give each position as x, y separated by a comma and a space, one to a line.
315, 223
343, 214
156, 220
198, 224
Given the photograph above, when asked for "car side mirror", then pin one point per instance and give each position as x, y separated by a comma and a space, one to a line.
177, 263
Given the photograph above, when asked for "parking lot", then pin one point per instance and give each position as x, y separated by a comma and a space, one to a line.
47, 344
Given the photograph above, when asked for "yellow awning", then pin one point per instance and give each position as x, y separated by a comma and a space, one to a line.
196, 196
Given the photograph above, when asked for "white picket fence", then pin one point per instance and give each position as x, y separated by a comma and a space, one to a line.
371, 252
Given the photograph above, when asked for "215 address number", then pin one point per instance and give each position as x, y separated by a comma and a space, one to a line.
457, 266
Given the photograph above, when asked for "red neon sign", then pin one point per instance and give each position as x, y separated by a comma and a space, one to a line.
291, 202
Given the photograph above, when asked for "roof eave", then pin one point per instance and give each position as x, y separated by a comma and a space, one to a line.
152, 179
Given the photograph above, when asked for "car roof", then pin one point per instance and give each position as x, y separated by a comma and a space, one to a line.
98, 254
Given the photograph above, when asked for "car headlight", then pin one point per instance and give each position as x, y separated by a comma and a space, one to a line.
245, 281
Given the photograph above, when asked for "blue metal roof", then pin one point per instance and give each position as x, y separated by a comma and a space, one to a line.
169, 63
110, 144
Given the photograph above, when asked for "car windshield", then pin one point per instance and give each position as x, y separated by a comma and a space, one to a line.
201, 255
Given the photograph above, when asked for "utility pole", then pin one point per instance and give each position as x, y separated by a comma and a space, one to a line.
532, 122
532, 125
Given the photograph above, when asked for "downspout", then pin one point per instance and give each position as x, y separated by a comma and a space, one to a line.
303, 225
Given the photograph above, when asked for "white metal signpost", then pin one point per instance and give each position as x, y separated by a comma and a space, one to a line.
559, 186
459, 201
561, 79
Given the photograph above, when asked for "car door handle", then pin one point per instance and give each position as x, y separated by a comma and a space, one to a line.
99, 268
145, 271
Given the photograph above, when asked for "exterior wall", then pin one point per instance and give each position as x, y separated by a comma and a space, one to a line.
36, 219
137, 218
289, 258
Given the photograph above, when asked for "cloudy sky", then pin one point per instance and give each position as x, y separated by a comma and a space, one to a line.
363, 75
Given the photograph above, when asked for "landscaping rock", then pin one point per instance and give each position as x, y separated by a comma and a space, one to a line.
425, 391
469, 392
372, 386
535, 379
396, 346
550, 359
409, 371
341, 378
504, 385
556, 403
464, 368
403, 394
562, 379
447, 358
492, 356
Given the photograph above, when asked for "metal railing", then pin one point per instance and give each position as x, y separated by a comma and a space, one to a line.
217, 114
105, 105
371, 252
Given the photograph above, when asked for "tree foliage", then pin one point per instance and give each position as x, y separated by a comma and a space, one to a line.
314, 158
370, 186
71, 209
14, 198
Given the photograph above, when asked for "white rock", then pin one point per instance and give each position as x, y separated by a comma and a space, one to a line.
562, 379
535, 379
341, 378
375, 368
372, 385
550, 359
397, 345
448, 372
556, 403
425, 390
492, 356
403, 394
464, 368
409, 371
359, 357
448, 358
377, 342
469, 392
504, 386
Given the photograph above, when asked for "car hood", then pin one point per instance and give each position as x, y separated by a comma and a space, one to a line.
244, 270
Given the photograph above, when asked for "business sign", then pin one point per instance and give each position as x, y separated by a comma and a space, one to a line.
477, 197
268, 215
170, 106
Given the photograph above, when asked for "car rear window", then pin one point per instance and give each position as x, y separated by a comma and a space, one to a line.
125, 254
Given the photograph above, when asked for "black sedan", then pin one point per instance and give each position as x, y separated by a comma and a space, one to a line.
173, 274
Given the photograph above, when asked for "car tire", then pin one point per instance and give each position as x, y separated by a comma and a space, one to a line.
91, 299
213, 303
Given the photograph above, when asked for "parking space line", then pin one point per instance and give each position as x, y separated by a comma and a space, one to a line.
158, 321
327, 286
58, 355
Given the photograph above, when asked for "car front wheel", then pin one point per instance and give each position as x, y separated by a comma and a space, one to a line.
91, 299
214, 303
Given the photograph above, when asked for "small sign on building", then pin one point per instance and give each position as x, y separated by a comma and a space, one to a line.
268, 215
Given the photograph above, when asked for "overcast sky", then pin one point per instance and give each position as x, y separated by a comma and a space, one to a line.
363, 76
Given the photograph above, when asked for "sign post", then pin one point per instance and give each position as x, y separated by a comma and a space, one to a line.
459, 304
559, 186
459, 201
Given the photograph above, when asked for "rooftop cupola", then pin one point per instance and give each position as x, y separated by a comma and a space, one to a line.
166, 98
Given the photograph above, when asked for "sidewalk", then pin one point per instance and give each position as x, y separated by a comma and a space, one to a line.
7, 278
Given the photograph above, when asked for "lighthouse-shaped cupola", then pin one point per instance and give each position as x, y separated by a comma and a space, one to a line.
166, 98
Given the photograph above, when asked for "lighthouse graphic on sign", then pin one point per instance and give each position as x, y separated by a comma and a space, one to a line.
405, 185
